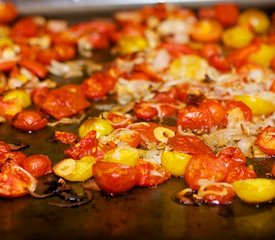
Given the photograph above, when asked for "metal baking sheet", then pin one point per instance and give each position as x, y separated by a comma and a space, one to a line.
56, 7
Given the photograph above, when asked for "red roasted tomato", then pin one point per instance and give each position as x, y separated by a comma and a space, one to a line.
266, 140
37, 165
114, 178
29, 120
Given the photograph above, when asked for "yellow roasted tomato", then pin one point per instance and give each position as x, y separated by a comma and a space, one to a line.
263, 56
256, 19
237, 37
19, 96
257, 190
175, 162
75, 170
123, 155
131, 44
189, 68
101, 126
258, 106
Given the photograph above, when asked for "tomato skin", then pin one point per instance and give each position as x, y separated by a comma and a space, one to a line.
61, 103
114, 178
17, 157
188, 144
220, 63
232, 157
266, 140
65, 137
227, 13
85, 147
7, 66
207, 12
170, 96
37, 165
176, 49
144, 111
240, 173
213, 198
209, 114
247, 113
39, 95
20, 33
97, 86
8, 12
35, 67
204, 166
117, 120
29, 120
14, 181
146, 176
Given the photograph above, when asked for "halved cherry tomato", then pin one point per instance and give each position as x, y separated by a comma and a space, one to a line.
98, 40
117, 119
232, 156
16, 157
266, 140
204, 166
211, 49
87, 146
64, 52
39, 95
206, 30
35, 67
15, 181
145, 111
247, 113
220, 63
65, 137
176, 49
188, 144
7, 66
61, 103
128, 137
240, 173
209, 114
4, 148
150, 174
227, 13
29, 120
37, 165
207, 12
169, 96
114, 178
97, 86
8, 12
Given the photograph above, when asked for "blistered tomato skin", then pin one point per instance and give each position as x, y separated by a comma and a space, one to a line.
37, 165
29, 120
266, 140
114, 178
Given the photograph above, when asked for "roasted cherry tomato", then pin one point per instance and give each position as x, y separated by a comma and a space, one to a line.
39, 95
64, 52
227, 13
65, 137
114, 178
188, 144
255, 190
175, 162
150, 174
61, 103
176, 49
240, 173
75, 170
266, 140
15, 181
37, 165
232, 156
145, 111
206, 30
126, 137
100, 125
247, 113
85, 147
8, 12
220, 63
29, 120
117, 119
256, 19
97, 86
35, 67
204, 166
4, 148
